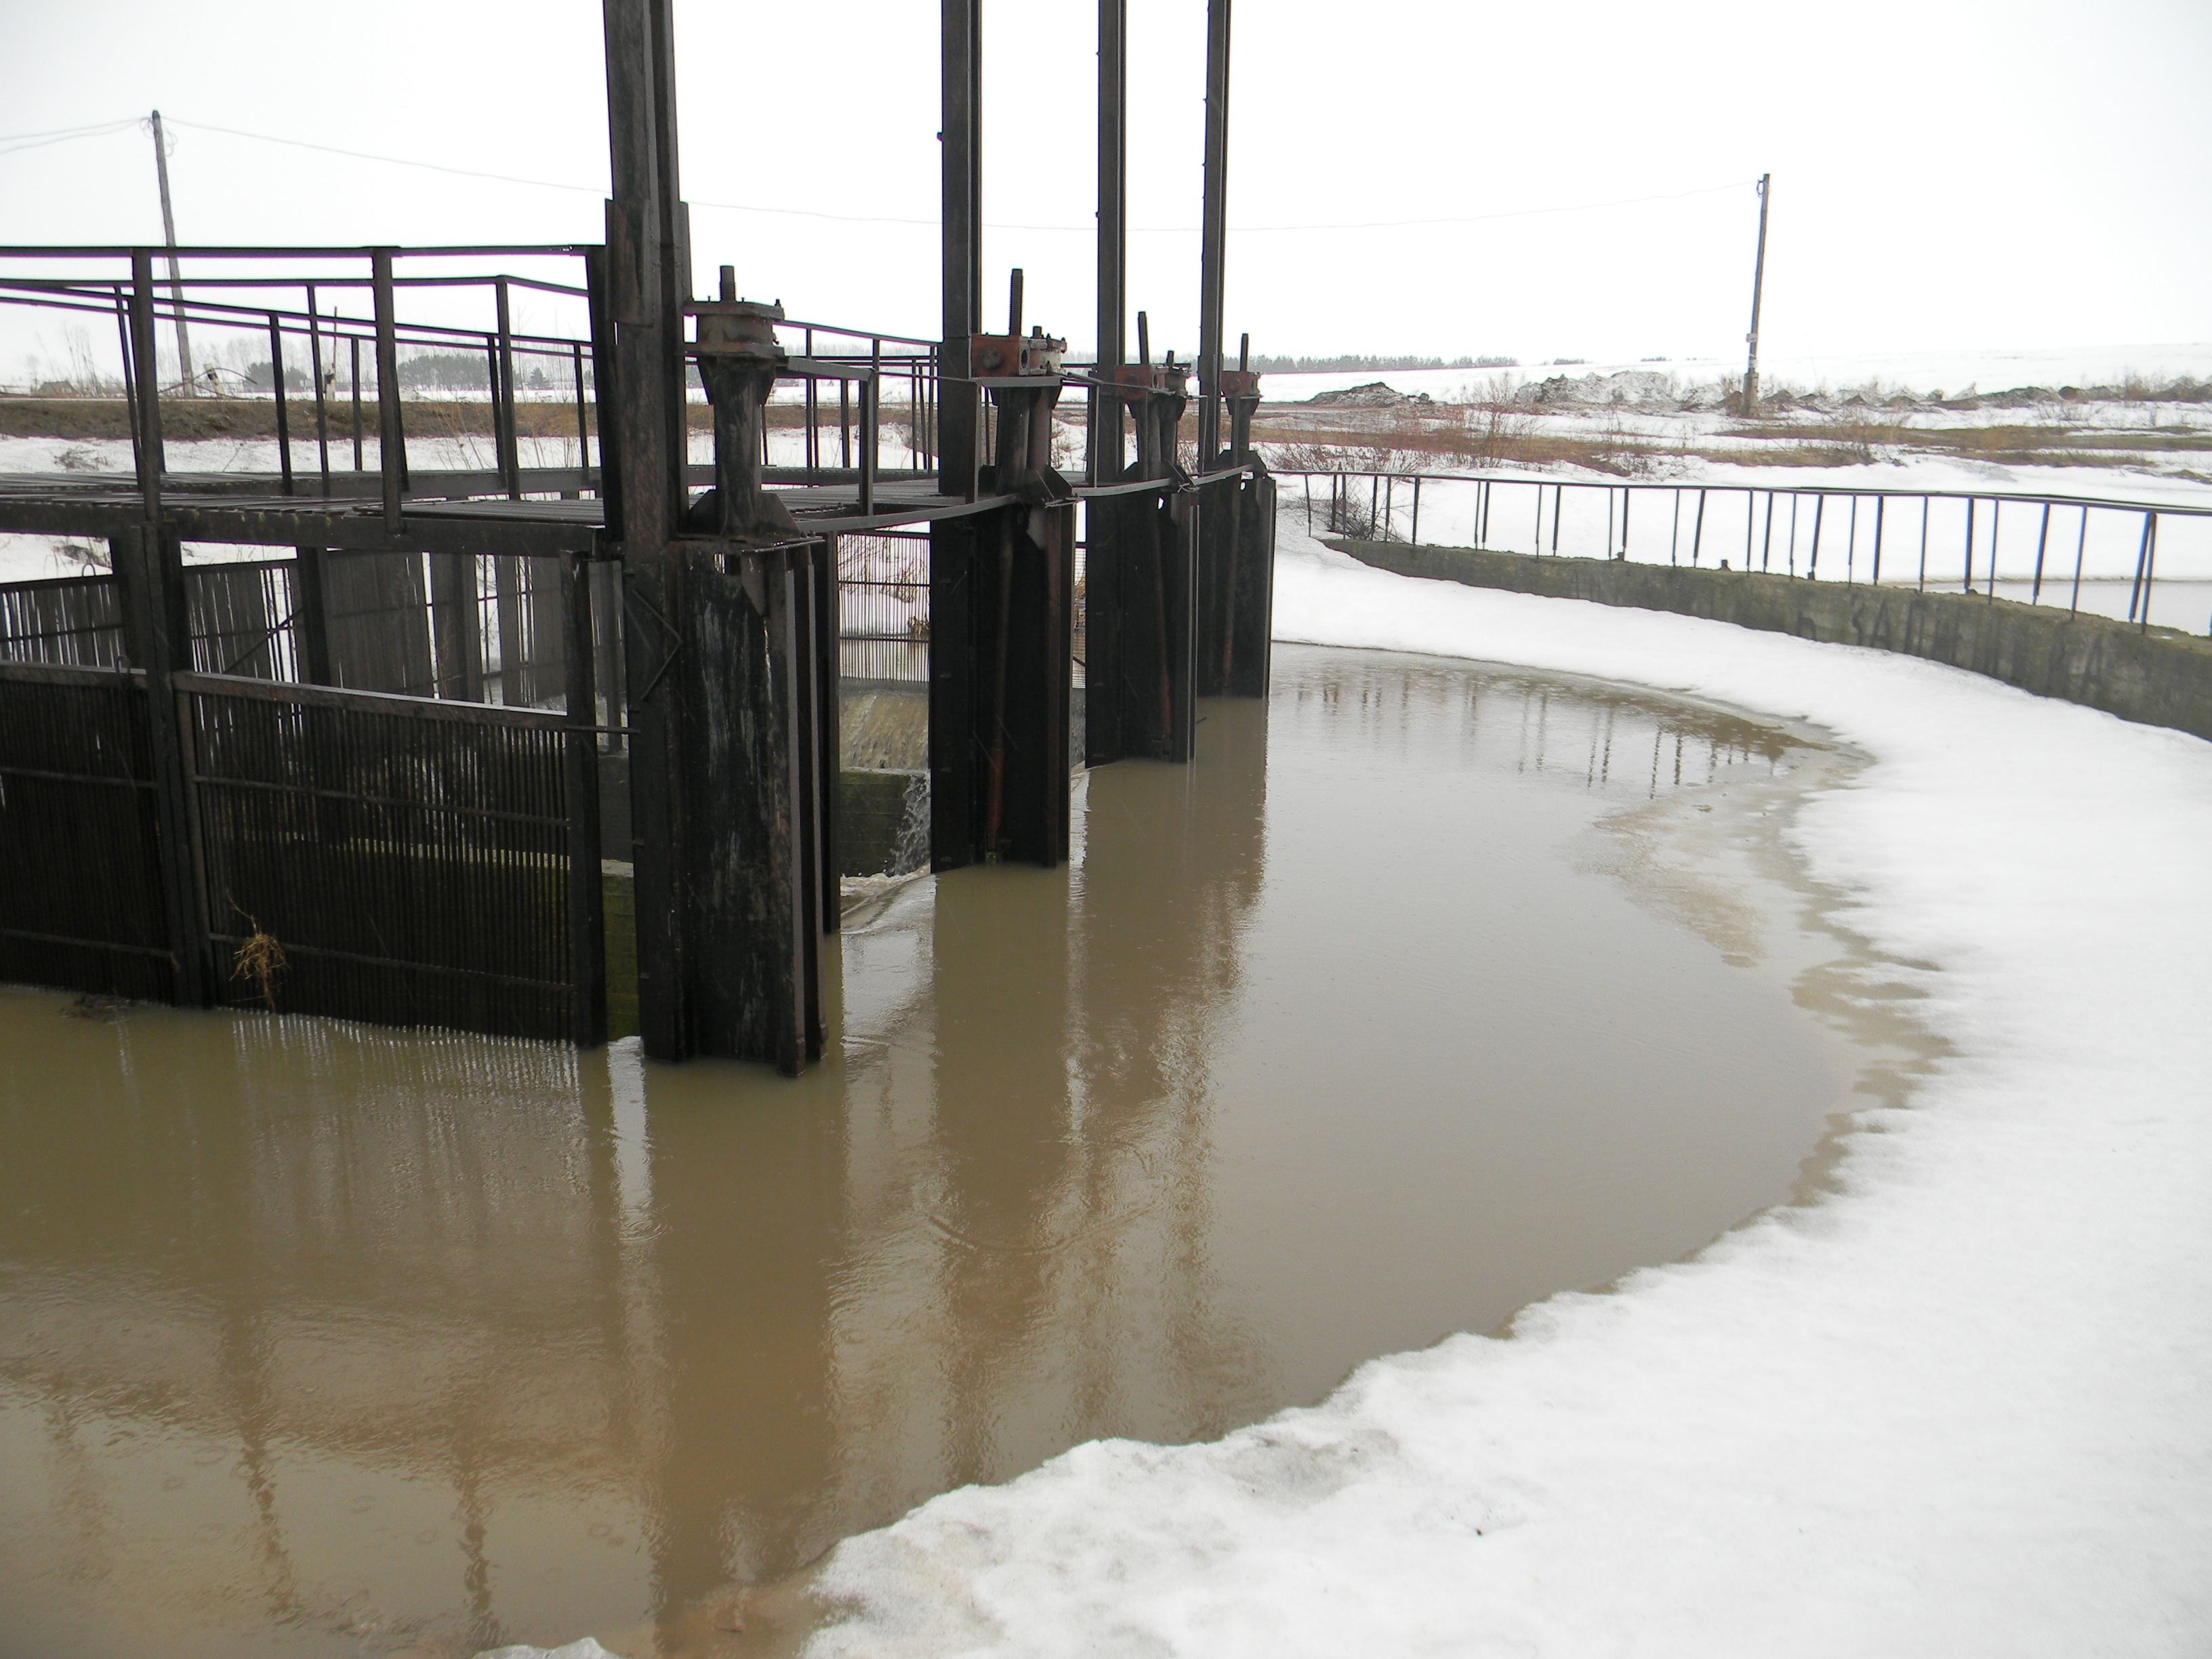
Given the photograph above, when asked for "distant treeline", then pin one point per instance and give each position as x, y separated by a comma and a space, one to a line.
470, 370
1352, 362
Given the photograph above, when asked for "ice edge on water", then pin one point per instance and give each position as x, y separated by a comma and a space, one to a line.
1954, 1408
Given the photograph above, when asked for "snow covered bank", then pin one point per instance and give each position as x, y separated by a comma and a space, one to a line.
1958, 1409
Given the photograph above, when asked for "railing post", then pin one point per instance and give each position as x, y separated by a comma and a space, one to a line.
1997, 523
510, 448
146, 403
2042, 541
322, 402
276, 385
2081, 550
391, 441
2150, 570
2136, 593
810, 452
130, 380
871, 422
583, 422
606, 399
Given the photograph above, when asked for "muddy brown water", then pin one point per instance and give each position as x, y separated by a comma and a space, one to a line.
1431, 989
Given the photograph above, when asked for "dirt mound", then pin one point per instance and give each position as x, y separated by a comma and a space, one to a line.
1639, 387
1374, 395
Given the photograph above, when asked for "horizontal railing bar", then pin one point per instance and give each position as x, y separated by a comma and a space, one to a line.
349, 328
198, 251
1841, 491
76, 777
70, 673
491, 279
395, 803
162, 951
291, 949
372, 702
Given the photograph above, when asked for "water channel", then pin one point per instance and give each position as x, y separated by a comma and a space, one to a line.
1430, 989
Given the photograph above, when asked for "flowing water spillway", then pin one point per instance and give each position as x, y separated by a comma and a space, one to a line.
1379, 1022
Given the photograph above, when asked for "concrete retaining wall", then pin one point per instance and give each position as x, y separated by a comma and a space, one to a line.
2160, 677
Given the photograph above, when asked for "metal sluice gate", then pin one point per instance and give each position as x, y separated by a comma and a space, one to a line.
405, 771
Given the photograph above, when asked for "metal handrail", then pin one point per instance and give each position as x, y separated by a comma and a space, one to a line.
1378, 514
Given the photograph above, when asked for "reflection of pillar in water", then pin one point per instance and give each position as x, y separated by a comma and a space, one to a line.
746, 1175
321, 1249
1173, 865
1074, 1295
1004, 1132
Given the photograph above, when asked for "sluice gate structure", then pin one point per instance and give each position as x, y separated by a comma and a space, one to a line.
489, 719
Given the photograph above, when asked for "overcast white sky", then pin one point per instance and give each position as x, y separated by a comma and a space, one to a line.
1947, 173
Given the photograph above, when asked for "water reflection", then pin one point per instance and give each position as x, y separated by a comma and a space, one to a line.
320, 1340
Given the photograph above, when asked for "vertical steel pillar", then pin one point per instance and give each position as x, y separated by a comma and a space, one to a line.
1106, 441
1141, 593
642, 484
587, 944
959, 422
152, 564
1240, 641
1213, 233
1002, 589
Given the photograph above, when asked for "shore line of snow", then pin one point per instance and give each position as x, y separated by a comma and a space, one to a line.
1955, 1409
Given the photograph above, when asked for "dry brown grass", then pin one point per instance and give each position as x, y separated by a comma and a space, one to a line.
260, 963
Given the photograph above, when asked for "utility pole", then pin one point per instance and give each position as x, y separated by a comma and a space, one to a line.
176, 276
1758, 282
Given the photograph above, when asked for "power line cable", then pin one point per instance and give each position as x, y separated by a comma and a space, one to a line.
14, 142
888, 219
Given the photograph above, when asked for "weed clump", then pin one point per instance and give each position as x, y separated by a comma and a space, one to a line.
260, 963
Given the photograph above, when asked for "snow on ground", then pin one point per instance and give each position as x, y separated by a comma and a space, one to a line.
1956, 1407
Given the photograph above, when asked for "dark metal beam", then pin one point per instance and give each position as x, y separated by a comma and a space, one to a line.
642, 470
961, 142
1213, 233
1112, 324
587, 943
391, 444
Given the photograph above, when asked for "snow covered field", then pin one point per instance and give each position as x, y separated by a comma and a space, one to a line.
1991, 370
1954, 1407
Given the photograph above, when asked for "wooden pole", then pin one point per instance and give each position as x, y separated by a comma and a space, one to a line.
176, 276
1758, 287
